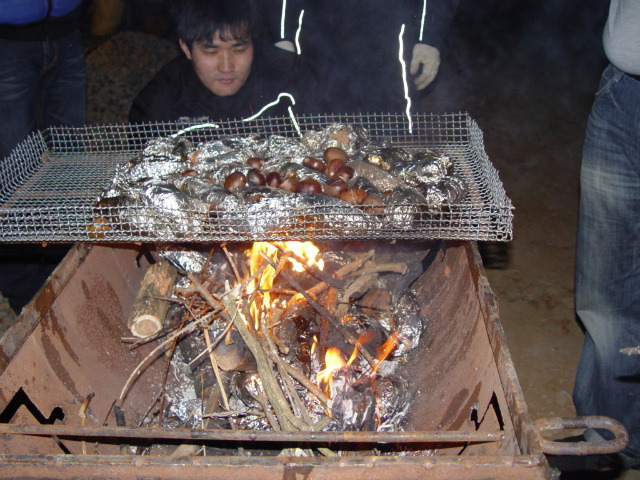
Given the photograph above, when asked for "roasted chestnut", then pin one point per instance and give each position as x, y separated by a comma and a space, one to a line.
273, 179
289, 184
374, 204
313, 163
345, 173
255, 162
189, 173
309, 186
255, 177
235, 181
333, 166
353, 196
335, 187
335, 152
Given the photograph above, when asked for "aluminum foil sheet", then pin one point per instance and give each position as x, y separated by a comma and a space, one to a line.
179, 188
446, 191
418, 173
212, 166
385, 158
282, 148
410, 323
402, 207
171, 147
183, 402
349, 138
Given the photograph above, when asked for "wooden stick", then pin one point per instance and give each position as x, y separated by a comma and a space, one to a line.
216, 370
283, 413
83, 417
342, 272
314, 271
148, 311
362, 283
334, 323
270, 350
187, 329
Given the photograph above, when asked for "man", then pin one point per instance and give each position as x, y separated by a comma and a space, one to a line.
42, 68
608, 247
354, 48
225, 72
42, 84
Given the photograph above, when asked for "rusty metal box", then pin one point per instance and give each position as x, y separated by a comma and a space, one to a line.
67, 345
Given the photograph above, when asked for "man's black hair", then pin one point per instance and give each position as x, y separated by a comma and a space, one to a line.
199, 20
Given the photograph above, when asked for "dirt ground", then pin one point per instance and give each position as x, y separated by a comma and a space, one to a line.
526, 71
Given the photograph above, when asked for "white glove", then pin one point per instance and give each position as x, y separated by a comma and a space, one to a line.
285, 45
429, 58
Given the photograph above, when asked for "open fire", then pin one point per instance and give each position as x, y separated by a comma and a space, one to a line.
287, 336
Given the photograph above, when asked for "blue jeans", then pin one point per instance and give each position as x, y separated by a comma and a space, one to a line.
608, 260
42, 84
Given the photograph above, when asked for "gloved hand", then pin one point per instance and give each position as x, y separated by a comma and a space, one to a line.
285, 45
429, 58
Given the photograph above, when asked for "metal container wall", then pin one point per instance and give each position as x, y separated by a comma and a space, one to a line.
67, 345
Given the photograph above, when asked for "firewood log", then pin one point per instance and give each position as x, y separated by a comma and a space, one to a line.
149, 308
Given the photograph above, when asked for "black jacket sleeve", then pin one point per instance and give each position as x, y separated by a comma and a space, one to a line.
156, 101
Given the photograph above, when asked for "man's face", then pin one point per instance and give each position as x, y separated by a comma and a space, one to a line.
223, 66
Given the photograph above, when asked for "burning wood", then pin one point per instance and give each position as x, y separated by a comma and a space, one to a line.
289, 337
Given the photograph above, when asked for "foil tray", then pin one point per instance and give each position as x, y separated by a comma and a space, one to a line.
50, 184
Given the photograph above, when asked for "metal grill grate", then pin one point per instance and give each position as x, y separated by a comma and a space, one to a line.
50, 183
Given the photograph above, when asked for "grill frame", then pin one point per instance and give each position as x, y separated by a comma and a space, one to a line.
50, 183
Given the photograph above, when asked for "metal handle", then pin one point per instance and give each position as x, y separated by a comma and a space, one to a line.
621, 437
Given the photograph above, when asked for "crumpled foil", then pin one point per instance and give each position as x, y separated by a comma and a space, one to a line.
184, 259
420, 172
349, 138
385, 158
172, 147
447, 190
169, 209
176, 189
180, 391
353, 405
410, 323
402, 207
282, 148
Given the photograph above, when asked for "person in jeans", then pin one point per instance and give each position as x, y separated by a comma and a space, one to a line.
608, 245
42, 68
42, 84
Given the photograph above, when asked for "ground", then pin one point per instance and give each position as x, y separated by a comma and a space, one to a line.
527, 72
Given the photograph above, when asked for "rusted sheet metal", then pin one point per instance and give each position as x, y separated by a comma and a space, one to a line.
462, 380
33, 312
73, 467
526, 435
251, 435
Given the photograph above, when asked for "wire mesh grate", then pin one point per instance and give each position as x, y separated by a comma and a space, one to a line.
51, 182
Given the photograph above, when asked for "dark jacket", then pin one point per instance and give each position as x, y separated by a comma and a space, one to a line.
177, 93
353, 46
39, 19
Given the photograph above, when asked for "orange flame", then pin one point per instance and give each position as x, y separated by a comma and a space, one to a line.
305, 250
332, 361
363, 339
385, 349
